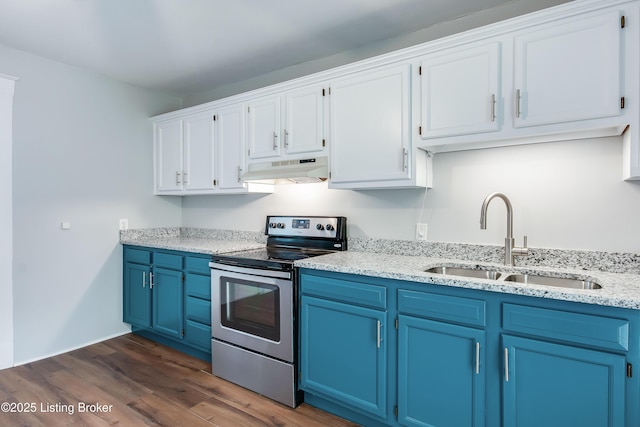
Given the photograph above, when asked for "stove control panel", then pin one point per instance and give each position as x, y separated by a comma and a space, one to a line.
309, 226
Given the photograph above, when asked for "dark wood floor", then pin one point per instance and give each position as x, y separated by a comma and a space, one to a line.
135, 382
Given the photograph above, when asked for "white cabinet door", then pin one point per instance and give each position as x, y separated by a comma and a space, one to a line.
199, 152
168, 156
304, 126
370, 126
568, 71
230, 136
264, 127
460, 91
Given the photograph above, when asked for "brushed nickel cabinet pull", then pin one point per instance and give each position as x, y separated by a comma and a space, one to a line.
493, 107
506, 364
518, 104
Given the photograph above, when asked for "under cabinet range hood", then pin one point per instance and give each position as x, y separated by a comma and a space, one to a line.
288, 171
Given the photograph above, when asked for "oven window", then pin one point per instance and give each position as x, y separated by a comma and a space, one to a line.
250, 307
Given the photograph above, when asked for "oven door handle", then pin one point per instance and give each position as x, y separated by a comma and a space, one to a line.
249, 270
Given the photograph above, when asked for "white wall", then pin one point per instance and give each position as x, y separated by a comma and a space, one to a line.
565, 195
6, 222
82, 152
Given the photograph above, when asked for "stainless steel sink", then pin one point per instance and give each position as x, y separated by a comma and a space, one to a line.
562, 282
478, 273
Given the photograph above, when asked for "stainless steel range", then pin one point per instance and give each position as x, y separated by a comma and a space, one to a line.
254, 310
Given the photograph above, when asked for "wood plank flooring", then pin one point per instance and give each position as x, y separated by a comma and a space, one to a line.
131, 381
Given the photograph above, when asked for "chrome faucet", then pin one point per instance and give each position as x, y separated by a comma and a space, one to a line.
510, 250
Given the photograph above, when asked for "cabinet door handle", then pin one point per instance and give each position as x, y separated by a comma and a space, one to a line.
150, 280
378, 335
493, 107
477, 357
517, 103
144, 279
177, 178
184, 178
506, 364
405, 159
275, 140
239, 174
286, 139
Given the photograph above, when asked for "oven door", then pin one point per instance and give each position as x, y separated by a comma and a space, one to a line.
253, 311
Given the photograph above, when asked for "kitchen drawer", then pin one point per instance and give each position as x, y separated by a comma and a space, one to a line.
442, 307
344, 290
596, 331
198, 310
137, 256
198, 265
198, 286
198, 335
166, 260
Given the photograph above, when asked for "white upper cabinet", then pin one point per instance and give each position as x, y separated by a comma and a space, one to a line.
202, 153
370, 126
230, 136
460, 91
286, 125
264, 127
168, 155
199, 154
304, 125
568, 71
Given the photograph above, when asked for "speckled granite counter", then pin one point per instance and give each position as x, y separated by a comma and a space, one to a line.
618, 289
198, 240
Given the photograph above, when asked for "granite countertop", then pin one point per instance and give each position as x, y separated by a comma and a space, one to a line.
617, 273
200, 241
618, 289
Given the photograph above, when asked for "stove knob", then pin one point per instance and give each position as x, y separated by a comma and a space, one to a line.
272, 225
280, 225
320, 227
330, 227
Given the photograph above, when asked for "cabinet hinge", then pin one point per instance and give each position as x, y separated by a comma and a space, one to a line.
629, 370
622, 102
420, 70
419, 130
248, 109
396, 323
215, 118
324, 142
183, 332
329, 90
623, 21
183, 278
323, 92
215, 182
395, 411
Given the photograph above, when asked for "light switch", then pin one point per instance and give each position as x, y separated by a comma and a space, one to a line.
66, 225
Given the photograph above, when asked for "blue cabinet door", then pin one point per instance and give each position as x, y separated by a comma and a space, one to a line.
343, 354
556, 385
441, 374
168, 302
137, 295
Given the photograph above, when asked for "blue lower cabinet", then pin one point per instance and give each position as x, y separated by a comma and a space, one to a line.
441, 374
343, 349
164, 300
137, 294
553, 385
384, 352
168, 302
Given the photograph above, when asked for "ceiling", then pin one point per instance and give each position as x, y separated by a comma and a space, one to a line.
186, 46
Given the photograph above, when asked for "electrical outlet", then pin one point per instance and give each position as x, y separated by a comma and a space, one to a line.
421, 231
124, 224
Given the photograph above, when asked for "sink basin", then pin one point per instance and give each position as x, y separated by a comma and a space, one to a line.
478, 273
563, 282
575, 282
